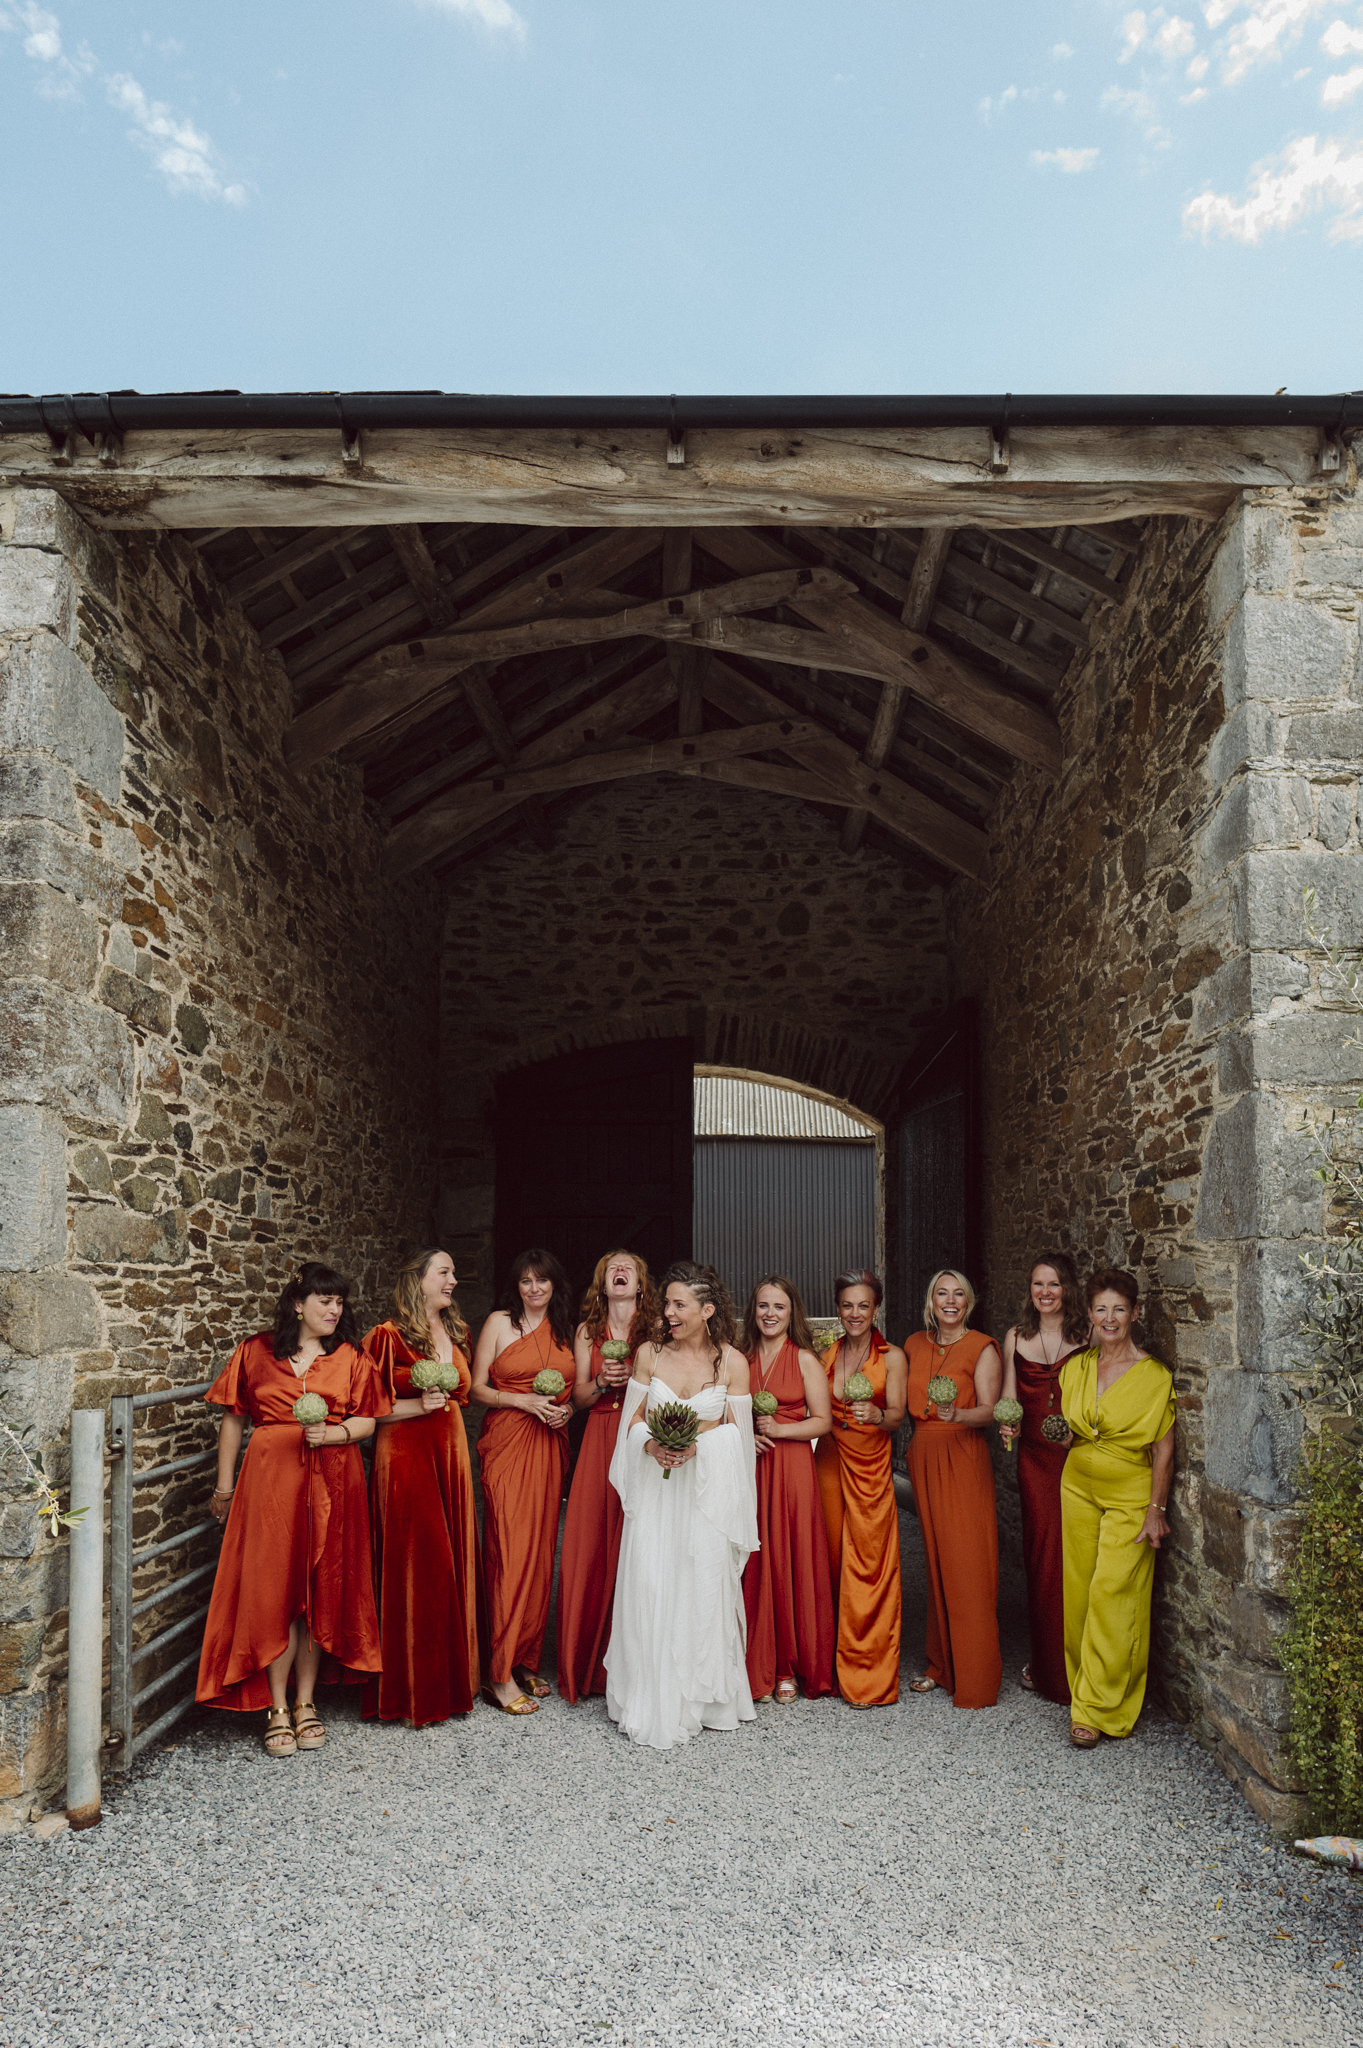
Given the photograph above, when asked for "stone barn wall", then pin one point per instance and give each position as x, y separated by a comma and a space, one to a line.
1154, 1027
672, 908
215, 1058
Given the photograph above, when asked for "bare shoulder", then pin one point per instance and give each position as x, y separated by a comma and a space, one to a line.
645, 1358
894, 1355
811, 1362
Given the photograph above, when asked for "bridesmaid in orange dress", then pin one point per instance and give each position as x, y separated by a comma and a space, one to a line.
426, 1565
294, 1591
853, 1466
1053, 1328
953, 1484
621, 1306
523, 1456
786, 1588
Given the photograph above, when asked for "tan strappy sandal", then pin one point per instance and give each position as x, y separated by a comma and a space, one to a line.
279, 1738
307, 1727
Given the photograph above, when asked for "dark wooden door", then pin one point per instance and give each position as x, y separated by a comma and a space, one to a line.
936, 1166
594, 1155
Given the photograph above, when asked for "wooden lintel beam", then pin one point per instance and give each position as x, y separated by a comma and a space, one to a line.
653, 757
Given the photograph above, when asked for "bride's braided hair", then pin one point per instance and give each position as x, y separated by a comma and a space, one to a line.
705, 1283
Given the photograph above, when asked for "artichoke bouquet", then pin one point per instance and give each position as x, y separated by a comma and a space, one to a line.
856, 1387
674, 1426
1055, 1429
435, 1372
310, 1409
764, 1402
1009, 1413
550, 1382
615, 1351
942, 1392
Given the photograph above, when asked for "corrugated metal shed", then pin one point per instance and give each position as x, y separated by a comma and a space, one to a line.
726, 1107
805, 1207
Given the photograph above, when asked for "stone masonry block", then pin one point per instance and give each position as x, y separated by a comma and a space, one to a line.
1308, 1049
1252, 1442
1257, 810
19, 1529
69, 1054
31, 851
1256, 555
42, 1312
1336, 804
51, 704
44, 936
31, 787
1252, 732
1273, 1292
106, 1236
1327, 736
1281, 649
32, 1188
1257, 1177
37, 593
1266, 897
146, 1007
32, 1731
1261, 1745
1244, 987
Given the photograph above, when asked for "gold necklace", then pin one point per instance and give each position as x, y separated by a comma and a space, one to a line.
765, 1371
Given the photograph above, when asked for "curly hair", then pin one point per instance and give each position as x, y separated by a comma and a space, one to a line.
648, 1309
410, 1304
1074, 1316
799, 1332
705, 1283
559, 1314
312, 1278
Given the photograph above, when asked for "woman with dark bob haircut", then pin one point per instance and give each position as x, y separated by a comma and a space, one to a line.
294, 1592
523, 1455
1114, 1499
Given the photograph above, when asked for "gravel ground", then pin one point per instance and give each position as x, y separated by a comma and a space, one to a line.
908, 1875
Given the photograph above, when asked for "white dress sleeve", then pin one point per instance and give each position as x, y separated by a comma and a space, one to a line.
726, 1477
627, 1464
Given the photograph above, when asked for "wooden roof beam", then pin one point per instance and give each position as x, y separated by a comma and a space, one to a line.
915, 613
651, 757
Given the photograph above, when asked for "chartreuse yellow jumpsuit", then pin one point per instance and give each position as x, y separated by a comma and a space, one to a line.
1109, 1576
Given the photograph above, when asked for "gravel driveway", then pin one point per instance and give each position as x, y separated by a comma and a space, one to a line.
906, 1875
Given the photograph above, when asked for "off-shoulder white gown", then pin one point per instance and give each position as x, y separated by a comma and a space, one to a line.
676, 1662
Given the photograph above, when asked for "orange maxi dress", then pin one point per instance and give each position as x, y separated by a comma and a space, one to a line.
953, 1485
522, 1465
787, 1593
591, 1552
853, 1467
427, 1571
297, 1536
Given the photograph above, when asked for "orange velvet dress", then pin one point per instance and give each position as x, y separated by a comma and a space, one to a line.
297, 1536
953, 1485
787, 1593
427, 1571
591, 1551
853, 1466
522, 1465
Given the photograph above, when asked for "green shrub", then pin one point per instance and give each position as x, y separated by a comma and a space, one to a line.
1322, 1651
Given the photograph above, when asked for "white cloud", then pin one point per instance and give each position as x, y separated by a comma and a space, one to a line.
988, 107
1307, 176
1068, 160
1133, 34
1061, 50
1340, 40
498, 17
1197, 70
185, 158
1175, 38
1260, 38
1141, 109
1342, 86
1190, 99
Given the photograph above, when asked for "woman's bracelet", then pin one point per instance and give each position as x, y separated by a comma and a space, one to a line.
218, 1493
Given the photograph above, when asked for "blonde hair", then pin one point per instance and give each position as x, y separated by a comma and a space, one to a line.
647, 1307
946, 1273
410, 1304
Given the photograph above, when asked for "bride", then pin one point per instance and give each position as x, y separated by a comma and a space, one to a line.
676, 1661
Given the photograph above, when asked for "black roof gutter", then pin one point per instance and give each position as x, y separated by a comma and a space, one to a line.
126, 412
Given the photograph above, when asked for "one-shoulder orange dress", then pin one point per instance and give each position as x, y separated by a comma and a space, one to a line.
953, 1484
522, 1464
427, 1571
787, 1593
853, 1467
591, 1551
297, 1535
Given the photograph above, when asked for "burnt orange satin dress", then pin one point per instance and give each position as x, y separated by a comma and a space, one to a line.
297, 1535
787, 1594
427, 1571
953, 1485
853, 1466
591, 1551
522, 1465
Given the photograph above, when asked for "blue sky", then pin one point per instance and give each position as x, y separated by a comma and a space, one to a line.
725, 195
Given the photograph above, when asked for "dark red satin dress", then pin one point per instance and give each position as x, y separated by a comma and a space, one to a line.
428, 1574
297, 1537
787, 1591
591, 1551
1039, 1468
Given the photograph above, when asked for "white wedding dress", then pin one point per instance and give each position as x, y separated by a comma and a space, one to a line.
677, 1656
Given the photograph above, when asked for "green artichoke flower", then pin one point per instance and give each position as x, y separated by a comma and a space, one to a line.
550, 1382
1055, 1429
764, 1403
674, 1427
1009, 1413
309, 1409
942, 1392
856, 1387
435, 1372
614, 1351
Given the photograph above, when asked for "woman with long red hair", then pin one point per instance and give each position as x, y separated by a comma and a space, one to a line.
293, 1598
787, 1594
620, 1307
427, 1571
